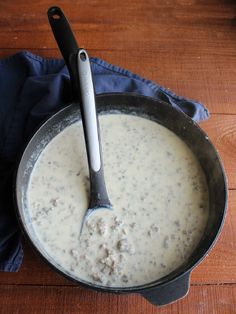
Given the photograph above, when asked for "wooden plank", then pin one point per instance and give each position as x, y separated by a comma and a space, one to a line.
117, 36
218, 268
157, 26
39, 299
22, 16
195, 76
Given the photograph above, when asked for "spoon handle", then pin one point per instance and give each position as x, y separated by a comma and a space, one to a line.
98, 192
89, 113
77, 61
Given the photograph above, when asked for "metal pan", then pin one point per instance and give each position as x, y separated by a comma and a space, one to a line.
176, 284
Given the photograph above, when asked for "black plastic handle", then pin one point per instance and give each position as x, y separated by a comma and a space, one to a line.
68, 46
170, 292
62, 32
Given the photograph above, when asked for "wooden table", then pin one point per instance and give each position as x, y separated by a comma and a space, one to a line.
188, 46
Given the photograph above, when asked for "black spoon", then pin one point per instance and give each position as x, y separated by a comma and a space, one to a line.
77, 61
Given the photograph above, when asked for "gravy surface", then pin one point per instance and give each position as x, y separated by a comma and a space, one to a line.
155, 184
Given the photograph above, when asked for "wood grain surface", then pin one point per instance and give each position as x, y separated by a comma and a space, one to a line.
49, 299
188, 46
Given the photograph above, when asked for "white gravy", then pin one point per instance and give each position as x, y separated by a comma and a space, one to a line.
155, 184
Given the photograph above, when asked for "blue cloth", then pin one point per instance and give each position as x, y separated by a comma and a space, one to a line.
33, 88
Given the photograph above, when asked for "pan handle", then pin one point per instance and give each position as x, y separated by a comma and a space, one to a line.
171, 292
62, 32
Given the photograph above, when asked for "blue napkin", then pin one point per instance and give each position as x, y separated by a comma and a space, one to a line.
33, 88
